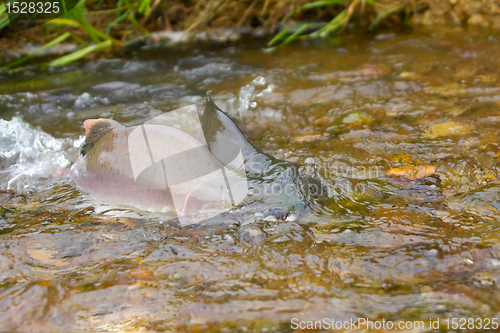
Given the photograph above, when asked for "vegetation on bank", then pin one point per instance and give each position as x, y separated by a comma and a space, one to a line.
100, 25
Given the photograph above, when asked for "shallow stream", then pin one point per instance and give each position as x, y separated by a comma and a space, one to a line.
403, 129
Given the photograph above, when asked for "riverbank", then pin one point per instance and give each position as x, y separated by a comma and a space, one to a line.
99, 27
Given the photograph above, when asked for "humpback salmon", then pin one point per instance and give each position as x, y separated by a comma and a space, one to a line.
208, 169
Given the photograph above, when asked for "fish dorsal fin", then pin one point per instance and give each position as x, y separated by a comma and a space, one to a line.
96, 129
185, 119
219, 128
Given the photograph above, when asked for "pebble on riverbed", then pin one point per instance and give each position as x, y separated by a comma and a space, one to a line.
447, 128
412, 172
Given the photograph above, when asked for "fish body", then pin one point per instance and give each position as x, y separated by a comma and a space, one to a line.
105, 170
171, 169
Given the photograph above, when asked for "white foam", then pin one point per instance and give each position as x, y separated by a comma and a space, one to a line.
249, 92
28, 154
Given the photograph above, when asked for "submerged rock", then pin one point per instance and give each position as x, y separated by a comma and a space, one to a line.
485, 201
447, 128
412, 172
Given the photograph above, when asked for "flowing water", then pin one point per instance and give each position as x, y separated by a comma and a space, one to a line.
403, 129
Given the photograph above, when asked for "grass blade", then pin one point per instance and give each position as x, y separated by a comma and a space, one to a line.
46, 46
374, 3
331, 26
294, 36
300, 28
280, 36
383, 15
4, 19
66, 22
135, 40
77, 15
67, 59
86, 27
322, 4
316, 4
144, 7
118, 20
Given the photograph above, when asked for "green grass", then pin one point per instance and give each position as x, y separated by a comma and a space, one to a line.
43, 48
97, 26
339, 22
4, 20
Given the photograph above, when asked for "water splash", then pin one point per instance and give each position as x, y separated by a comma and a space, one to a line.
249, 92
28, 154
